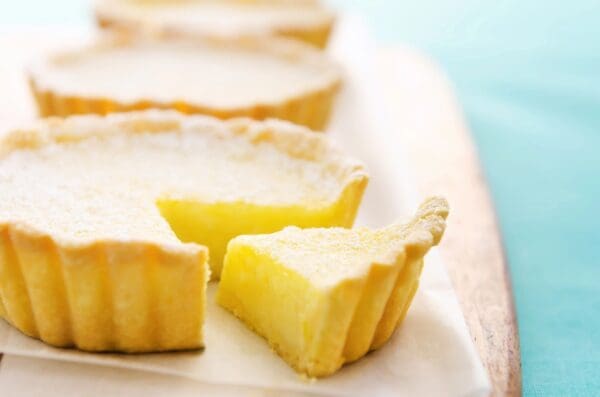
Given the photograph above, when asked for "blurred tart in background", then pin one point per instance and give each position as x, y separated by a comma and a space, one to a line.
304, 20
107, 222
226, 78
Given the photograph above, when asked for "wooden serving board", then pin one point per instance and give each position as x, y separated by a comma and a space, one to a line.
438, 145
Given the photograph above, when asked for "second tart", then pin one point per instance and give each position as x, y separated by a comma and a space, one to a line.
225, 78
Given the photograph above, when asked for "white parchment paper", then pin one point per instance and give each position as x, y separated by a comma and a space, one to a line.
430, 355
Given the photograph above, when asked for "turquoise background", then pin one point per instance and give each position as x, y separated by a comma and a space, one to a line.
528, 75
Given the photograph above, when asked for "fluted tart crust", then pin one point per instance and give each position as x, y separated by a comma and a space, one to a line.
107, 222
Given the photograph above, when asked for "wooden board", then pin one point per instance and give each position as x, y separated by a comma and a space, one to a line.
437, 143
439, 147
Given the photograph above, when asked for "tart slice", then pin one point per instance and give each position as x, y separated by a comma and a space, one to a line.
105, 222
305, 20
325, 297
256, 78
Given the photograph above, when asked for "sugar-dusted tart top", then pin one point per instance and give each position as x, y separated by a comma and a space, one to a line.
205, 72
327, 256
226, 17
87, 178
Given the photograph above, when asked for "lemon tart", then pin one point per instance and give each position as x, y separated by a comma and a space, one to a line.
225, 78
303, 20
106, 221
323, 297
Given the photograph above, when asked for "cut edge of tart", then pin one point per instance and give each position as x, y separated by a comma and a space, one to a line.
309, 106
128, 296
125, 294
117, 15
326, 297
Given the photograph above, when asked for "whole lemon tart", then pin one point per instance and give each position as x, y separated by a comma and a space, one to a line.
323, 297
107, 222
304, 20
225, 78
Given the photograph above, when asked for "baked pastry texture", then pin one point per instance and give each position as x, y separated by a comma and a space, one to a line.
327, 296
224, 78
305, 20
107, 222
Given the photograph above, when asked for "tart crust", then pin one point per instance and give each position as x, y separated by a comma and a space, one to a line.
309, 107
127, 295
109, 15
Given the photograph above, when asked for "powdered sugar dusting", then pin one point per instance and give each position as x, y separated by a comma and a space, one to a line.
106, 186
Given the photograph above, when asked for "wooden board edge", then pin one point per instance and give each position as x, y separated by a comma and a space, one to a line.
445, 161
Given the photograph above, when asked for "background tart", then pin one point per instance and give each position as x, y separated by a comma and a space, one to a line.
225, 78
326, 296
305, 20
105, 220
